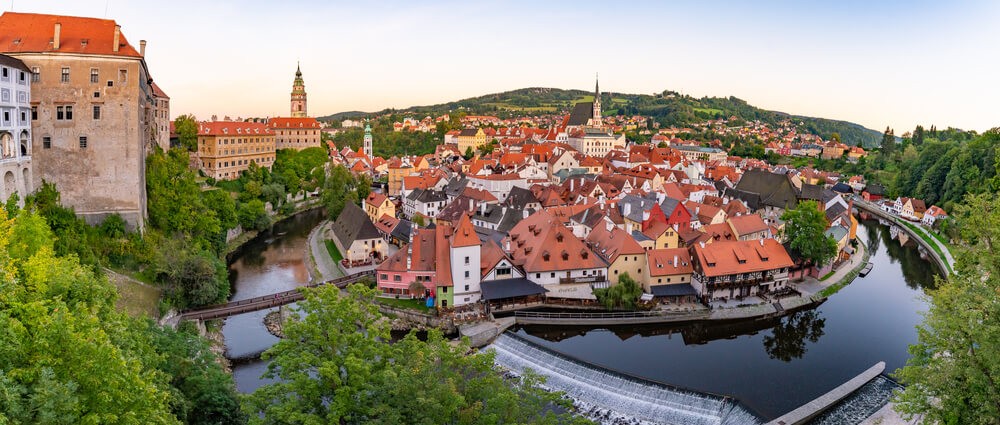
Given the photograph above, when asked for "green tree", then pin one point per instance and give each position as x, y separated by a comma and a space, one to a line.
186, 127
888, 142
364, 186
337, 365
953, 374
805, 227
468, 153
918, 136
624, 295
338, 190
253, 216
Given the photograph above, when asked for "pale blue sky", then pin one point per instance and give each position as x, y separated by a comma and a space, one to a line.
891, 63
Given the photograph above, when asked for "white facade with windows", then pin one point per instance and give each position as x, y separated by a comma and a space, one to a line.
15, 129
465, 274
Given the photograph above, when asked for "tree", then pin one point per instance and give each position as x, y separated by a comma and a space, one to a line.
337, 365
624, 295
953, 374
338, 190
468, 153
918, 136
805, 227
186, 127
253, 216
364, 186
787, 340
888, 142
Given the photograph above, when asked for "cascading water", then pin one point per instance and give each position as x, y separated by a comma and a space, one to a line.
860, 404
612, 397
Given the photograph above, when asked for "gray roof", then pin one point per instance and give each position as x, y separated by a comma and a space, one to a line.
456, 186
759, 188
875, 189
834, 211
519, 197
636, 206
353, 224
842, 187
420, 195
14, 63
582, 113
669, 205
812, 192
674, 290
402, 230
510, 288
469, 132
836, 232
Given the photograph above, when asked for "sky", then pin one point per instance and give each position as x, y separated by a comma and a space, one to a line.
877, 63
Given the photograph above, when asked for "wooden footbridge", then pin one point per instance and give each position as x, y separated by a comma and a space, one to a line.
233, 308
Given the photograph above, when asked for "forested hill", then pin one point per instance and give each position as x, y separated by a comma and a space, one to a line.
668, 108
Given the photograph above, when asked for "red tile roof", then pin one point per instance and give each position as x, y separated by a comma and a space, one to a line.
465, 234
284, 123
667, 262
724, 258
33, 33
542, 243
232, 128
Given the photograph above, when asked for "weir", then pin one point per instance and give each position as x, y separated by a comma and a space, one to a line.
606, 394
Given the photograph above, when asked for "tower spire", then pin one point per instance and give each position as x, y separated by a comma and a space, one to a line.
596, 114
597, 85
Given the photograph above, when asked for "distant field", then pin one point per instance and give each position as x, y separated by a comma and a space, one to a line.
509, 107
711, 111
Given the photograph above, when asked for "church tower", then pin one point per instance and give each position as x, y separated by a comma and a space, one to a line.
298, 95
596, 120
368, 140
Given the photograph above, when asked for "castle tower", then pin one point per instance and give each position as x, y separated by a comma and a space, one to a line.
298, 95
368, 140
596, 121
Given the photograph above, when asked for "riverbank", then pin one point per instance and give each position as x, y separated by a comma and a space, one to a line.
945, 265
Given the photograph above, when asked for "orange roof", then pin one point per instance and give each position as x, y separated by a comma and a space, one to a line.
465, 234
667, 262
376, 199
232, 128
724, 258
746, 224
158, 92
612, 243
542, 243
33, 33
283, 122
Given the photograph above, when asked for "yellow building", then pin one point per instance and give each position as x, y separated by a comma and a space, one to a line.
377, 205
225, 148
471, 138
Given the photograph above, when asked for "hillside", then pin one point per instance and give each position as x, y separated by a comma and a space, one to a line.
667, 108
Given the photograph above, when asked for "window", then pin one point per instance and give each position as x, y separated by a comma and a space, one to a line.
538, 275
97, 94
20, 76
24, 117
46, 142
122, 75
111, 83
97, 112
466, 275
383, 277
64, 112
94, 76
466, 262
65, 75
504, 271
36, 74
83, 142
444, 290
397, 278
553, 275
467, 289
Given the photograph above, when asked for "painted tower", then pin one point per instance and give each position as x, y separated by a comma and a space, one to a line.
596, 121
298, 95
368, 140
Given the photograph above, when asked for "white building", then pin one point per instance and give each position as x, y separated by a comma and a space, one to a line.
15, 128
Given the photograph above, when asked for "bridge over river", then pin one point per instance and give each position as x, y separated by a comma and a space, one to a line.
233, 308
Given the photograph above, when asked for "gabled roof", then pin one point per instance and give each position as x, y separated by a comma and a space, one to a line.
233, 128
669, 261
465, 234
746, 224
759, 188
293, 123
611, 243
353, 224
724, 258
33, 33
582, 113
542, 243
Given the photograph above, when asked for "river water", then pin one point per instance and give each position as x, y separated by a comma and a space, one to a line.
771, 366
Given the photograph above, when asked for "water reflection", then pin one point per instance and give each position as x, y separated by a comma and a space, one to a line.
788, 339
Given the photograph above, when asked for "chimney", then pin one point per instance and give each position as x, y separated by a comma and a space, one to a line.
55, 36
118, 34
675, 261
571, 184
471, 206
142, 48
482, 208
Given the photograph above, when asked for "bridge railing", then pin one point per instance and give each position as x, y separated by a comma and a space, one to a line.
611, 315
267, 301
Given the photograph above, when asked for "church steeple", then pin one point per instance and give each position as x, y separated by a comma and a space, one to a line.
368, 140
298, 94
596, 120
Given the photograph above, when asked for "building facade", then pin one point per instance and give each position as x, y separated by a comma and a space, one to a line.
368, 141
15, 128
91, 108
161, 117
298, 102
225, 148
295, 133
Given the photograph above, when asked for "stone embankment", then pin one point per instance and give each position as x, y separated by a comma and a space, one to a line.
944, 265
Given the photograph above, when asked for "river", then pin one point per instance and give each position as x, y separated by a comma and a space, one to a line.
771, 366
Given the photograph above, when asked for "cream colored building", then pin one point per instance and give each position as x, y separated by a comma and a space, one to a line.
295, 133
15, 129
471, 138
161, 117
226, 148
92, 111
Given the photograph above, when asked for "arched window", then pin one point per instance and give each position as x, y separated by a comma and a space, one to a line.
24, 143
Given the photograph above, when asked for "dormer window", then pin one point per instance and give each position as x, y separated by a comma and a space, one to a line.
559, 237
545, 256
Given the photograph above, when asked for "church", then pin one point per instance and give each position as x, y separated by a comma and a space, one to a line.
297, 131
586, 130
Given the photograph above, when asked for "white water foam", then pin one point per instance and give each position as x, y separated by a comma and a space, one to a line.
615, 398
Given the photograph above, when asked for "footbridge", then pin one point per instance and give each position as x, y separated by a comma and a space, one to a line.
220, 311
